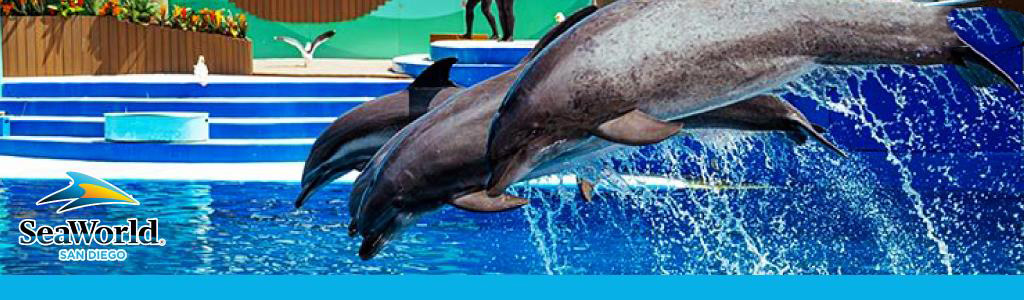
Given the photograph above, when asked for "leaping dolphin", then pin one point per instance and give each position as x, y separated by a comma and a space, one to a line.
606, 79
440, 158
355, 136
358, 133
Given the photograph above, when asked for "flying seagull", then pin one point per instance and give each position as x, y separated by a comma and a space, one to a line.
201, 71
308, 49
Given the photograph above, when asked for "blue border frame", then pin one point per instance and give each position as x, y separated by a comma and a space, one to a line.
529, 287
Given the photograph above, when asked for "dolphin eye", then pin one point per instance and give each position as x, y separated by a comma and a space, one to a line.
398, 204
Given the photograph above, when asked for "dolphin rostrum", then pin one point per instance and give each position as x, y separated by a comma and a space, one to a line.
440, 158
357, 134
604, 79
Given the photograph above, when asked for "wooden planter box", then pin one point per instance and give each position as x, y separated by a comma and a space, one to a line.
79, 45
310, 10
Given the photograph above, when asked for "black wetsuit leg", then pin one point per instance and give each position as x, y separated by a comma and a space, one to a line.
470, 7
506, 12
486, 9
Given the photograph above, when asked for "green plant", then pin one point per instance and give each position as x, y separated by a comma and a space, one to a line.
138, 11
73, 7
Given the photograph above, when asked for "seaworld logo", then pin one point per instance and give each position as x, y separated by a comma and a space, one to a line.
89, 232
85, 191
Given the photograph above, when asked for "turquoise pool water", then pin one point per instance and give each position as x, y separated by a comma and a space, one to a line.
816, 214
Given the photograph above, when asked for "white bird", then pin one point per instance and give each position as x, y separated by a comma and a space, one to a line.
559, 17
307, 49
201, 71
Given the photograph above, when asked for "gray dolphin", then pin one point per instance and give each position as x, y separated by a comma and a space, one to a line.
440, 158
604, 79
355, 136
358, 133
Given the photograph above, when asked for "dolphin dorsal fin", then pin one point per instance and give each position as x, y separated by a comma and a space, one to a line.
554, 33
436, 75
430, 82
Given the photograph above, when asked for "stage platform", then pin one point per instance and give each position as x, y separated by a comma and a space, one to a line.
462, 74
478, 60
188, 86
327, 67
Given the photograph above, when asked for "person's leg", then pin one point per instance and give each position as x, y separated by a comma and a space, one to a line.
506, 12
470, 6
486, 8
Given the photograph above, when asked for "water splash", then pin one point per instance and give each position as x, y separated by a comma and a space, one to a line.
932, 156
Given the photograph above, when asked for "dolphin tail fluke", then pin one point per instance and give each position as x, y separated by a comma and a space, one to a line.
969, 59
481, 202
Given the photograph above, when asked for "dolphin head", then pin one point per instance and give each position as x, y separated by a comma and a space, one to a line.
382, 204
351, 140
382, 212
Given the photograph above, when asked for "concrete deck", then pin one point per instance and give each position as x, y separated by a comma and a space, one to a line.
326, 67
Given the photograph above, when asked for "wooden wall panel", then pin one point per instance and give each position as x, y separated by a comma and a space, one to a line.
89, 62
54, 46
31, 46
307, 11
4, 35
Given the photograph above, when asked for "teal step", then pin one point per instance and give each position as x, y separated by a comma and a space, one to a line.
220, 128
187, 86
212, 151
217, 107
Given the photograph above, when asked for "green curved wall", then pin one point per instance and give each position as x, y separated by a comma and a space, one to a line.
397, 28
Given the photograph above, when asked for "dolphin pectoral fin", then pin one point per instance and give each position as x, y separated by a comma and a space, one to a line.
637, 128
510, 170
481, 202
586, 189
817, 132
